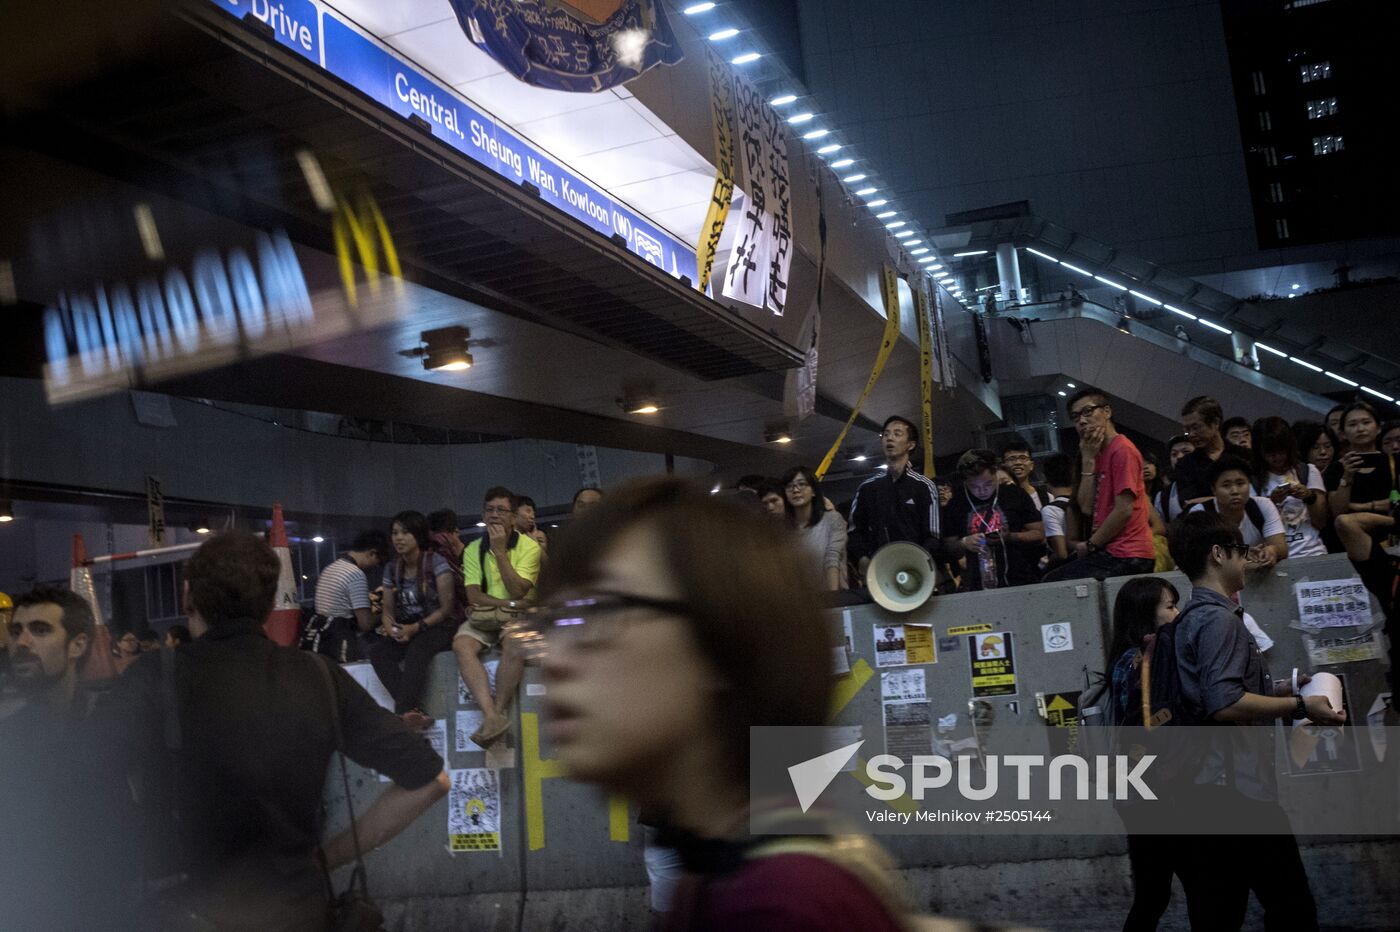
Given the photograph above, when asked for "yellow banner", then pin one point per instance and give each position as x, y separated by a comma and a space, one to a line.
722, 116
889, 291
921, 308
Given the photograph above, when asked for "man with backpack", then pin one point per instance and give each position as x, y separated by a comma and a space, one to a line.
1256, 516
1224, 681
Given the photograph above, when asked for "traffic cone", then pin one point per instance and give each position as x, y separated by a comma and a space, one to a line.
99, 664
284, 620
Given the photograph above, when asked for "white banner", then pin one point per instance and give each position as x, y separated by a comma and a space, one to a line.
761, 256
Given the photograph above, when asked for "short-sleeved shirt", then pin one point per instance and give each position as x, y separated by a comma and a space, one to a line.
1219, 662
1010, 509
1251, 533
416, 595
1118, 468
1304, 540
341, 589
1376, 485
1191, 472
524, 556
1052, 515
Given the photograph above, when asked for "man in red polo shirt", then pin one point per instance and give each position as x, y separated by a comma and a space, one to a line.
1110, 488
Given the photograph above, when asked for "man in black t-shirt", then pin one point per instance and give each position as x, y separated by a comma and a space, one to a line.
996, 525
1201, 418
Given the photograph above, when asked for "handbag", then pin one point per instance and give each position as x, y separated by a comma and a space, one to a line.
494, 617
353, 910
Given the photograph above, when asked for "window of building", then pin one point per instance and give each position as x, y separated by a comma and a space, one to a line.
1299, 4
1317, 71
1258, 78
1276, 192
1317, 109
1281, 228
1265, 121
1326, 145
1271, 157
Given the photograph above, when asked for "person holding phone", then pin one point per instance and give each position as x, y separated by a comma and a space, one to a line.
1295, 487
1364, 500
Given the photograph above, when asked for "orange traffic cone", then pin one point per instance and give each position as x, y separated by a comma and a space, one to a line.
284, 620
99, 664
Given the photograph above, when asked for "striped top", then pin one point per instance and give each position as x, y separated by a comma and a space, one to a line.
341, 589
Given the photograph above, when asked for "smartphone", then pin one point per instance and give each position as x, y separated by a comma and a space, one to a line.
1371, 461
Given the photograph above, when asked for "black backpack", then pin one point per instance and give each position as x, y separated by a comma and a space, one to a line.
1155, 704
1252, 511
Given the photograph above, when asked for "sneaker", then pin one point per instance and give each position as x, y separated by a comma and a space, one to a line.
417, 719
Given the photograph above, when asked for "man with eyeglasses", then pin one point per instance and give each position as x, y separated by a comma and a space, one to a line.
1234, 793
1016, 459
500, 569
1201, 420
1111, 489
897, 504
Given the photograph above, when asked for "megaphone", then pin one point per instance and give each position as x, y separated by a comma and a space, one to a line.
901, 576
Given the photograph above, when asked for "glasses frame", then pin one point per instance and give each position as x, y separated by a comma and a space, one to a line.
533, 630
1085, 411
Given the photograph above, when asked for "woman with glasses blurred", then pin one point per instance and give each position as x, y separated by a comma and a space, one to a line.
671, 622
821, 534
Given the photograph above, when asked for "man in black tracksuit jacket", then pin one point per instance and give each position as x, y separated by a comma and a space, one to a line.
897, 504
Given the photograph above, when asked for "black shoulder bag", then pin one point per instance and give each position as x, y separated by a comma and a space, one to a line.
353, 910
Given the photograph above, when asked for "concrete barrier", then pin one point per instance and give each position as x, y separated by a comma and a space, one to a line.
570, 857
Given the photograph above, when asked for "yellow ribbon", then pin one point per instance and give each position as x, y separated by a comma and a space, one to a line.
923, 310
889, 291
722, 113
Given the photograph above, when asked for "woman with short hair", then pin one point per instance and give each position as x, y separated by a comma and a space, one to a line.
1296, 488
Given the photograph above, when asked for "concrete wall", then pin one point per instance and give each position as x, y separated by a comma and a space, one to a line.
571, 858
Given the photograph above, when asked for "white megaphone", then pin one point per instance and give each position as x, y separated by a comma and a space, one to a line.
901, 576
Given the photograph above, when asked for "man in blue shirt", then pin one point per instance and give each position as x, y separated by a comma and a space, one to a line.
1225, 682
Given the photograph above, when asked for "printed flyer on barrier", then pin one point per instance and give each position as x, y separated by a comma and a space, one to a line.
474, 810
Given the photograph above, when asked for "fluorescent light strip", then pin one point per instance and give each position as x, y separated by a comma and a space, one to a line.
919, 252
885, 214
1100, 278
723, 34
745, 58
830, 148
1214, 326
1305, 364
895, 226
843, 163
903, 233
1187, 314
1041, 254
695, 8
936, 267
914, 242
782, 101
1139, 294
1270, 349
850, 179
878, 202
1381, 395
866, 192
800, 118
1341, 378
1075, 268
975, 252
816, 134
927, 259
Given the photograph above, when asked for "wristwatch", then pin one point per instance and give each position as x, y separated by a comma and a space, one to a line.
1090, 547
1301, 709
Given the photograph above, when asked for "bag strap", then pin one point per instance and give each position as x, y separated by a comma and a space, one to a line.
360, 877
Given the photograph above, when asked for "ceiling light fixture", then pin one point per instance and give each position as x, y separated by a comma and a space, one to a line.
975, 252
828, 149
866, 192
1176, 310
723, 34
777, 433
745, 58
895, 225
639, 399
903, 233
844, 163
696, 8
850, 179
878, 202
1042, 255
1075, 268
885, 214
444, 349
1225, 330
1371, 391
7, 511
800, 118
816, 134
1123, 324
782, 101
1139, 294
1269, 349
927, 259
318, 539
1302, 362
919, 252
1110, 283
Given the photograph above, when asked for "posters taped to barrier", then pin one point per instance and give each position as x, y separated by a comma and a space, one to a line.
1057, 637
903, 645
993, 664
1333, 603
474, 810
907, 718
968, 629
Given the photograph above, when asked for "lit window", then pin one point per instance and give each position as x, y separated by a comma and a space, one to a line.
1271, 157
1326, 145
1317, 109
1265, 121
1318, 71
1258, 78
1276, 192
1281, 227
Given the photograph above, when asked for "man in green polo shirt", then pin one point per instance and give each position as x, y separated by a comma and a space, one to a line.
500, 569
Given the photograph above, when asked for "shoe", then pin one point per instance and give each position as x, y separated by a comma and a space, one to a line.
492, 727
417, 719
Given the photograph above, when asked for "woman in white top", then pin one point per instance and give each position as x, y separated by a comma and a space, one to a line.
821, 533
1295, 487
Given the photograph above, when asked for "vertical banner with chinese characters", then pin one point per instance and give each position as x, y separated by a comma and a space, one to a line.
947, 377
925, 318
155, 512
761, 256
889, 291
722, 115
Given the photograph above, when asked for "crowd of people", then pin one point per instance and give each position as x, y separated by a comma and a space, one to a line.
226, 739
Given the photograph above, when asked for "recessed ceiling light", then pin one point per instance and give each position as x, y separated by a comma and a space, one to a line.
851, 179
782, 101
919, 252
745, 58
885, 213
723, 34
800, 118
866, 192
816, 134
878, 202
828, 149
843, 163
695, 8
903, 233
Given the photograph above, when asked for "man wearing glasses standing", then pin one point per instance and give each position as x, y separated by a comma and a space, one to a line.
1111, 489
899, 504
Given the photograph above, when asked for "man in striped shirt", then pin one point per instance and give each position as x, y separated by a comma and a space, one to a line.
342, 599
